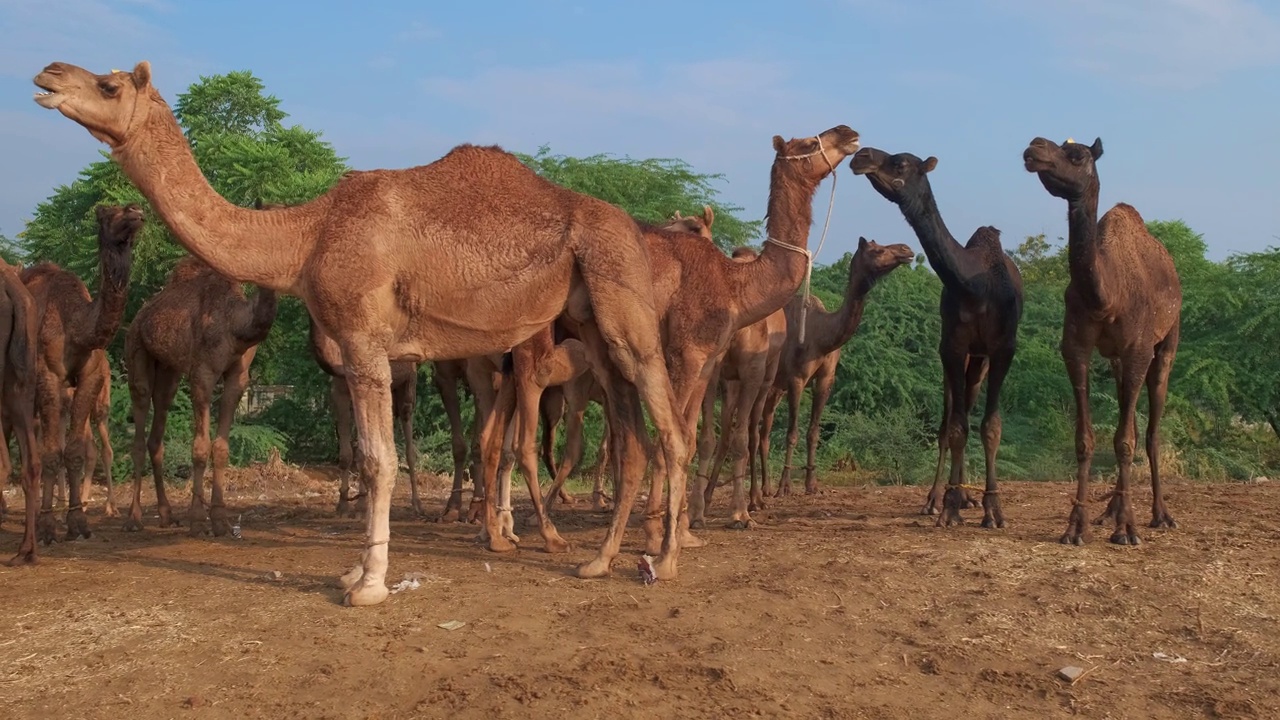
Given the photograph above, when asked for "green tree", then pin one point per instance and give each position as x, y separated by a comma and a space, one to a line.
9, 250
651, 189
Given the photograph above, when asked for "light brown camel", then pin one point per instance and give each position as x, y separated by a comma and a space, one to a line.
201, 327
815, 361
467, 256
742, 378
73, 325
19, 326
705, 297
1125, 299
981, 306
404, 398
570, 401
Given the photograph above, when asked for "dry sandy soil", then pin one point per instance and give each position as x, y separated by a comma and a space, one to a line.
841, 605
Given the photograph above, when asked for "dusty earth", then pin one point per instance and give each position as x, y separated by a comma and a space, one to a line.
841, 605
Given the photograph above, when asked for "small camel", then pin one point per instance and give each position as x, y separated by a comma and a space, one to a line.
404, 398
814, 361
19, 326
981, 306
743, 376
390, 263
202, 327
73, 325
1125, 299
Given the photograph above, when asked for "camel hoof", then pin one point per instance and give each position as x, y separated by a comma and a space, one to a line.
110, 511
557, 544
133, 524
1165, 521
46, 530
450, 515
22, 558
166, 518
1122, 538
741, 525
811, 490
77, 525
362, 595
352, 576
698, 523
1071, 539
500, 544
597, 568
689, 540
992, 523
783, 490
416, 507
664, 567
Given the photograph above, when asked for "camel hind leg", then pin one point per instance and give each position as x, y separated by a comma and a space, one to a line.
234, 383
444, 376
404, 397
201, 383
340, 401
992, 514
1157, 389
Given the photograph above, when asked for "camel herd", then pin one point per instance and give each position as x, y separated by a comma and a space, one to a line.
542, 300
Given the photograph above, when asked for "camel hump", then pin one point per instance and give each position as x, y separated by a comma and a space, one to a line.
985, 236
1122, 215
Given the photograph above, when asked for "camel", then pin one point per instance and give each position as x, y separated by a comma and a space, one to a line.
467, 256
1125, 299
981, 305
709, 296
19, 326
570, 401
201, 327
742, 375
404, 398
73, 325
446, 376
814, 361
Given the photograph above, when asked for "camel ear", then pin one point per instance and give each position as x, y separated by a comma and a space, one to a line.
142, 75
862, 243
708, 216
779, 145
1096, 148
929, 164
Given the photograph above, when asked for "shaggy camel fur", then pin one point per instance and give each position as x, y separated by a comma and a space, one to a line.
981, 306
742, 377
815, 361
202, 327
390, 263
404, 398
1125, 299
73, 325
19, 325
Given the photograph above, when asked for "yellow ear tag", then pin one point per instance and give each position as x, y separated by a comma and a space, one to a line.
1070, 141
114, 71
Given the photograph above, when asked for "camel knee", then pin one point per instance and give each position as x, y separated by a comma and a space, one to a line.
957, 432
200, 451
1124, 448
221, 453
1084, 446
991, 429
459, 451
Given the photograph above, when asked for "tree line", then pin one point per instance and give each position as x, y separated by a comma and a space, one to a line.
1222, 420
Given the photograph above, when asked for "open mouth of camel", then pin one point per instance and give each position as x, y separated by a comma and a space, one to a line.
48, 97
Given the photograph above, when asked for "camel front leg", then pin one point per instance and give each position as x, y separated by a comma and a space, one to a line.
822, 385
1077, 362
201, 399
369, 374
340, 401
234, 383
20, 394
575, 403
446, 384
738, 447
769, 411
1134, 369
529, 398
992, 514
166, 388
52, 446
795, 387
107, 456
702, 485
404, 397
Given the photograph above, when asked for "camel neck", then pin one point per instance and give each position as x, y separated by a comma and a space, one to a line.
831, 331
946, 256
266, 248
1082, 245
768, 282
106, 312
255, 318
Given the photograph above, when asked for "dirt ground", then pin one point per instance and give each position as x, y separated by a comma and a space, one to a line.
840, 605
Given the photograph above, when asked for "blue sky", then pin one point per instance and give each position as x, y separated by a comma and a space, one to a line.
1184, 93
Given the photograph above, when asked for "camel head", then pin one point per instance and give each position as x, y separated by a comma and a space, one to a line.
878, 260
893, 176
698, 225
111, 107
118, 225
1067, 170
817, 156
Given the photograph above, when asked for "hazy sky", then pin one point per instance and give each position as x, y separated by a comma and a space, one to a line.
1184, 93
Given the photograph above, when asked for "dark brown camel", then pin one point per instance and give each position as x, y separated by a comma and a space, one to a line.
73, 325
447, 376
814, 362
19, 325
202, 327
981, 306
1123, 298
101, 450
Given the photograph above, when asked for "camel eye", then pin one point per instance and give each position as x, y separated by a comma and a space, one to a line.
109, 89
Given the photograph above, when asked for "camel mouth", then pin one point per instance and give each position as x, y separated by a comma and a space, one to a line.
1033, 162
48, 97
